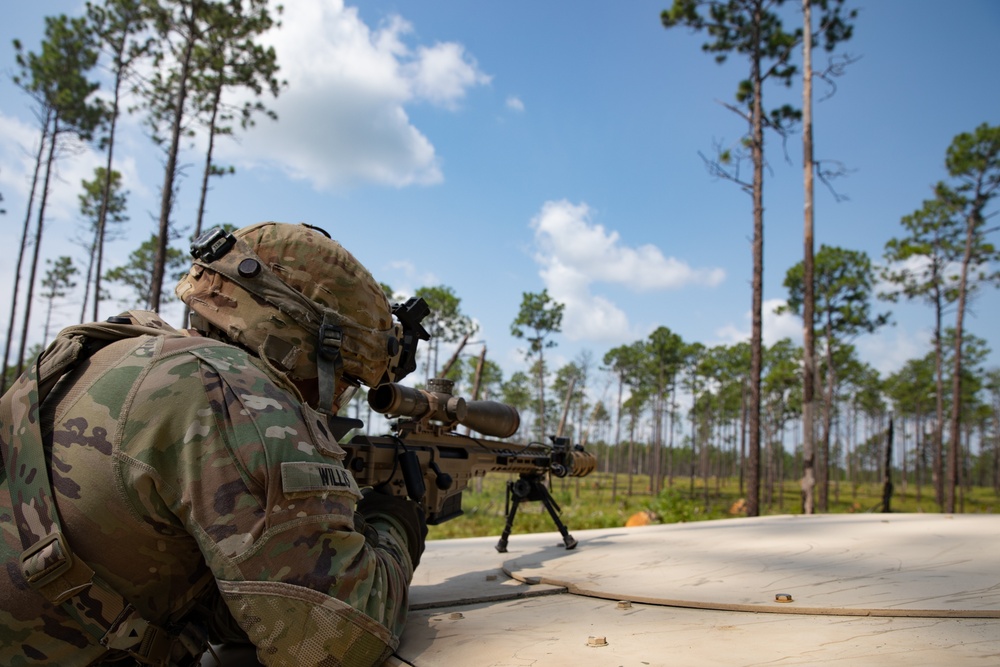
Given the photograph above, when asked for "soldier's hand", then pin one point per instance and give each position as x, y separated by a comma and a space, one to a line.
408, 514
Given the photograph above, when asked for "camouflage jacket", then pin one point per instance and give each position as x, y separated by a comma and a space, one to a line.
197, 487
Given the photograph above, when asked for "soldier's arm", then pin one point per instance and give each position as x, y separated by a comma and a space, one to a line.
257, 480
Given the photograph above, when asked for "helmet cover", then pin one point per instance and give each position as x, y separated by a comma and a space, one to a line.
277, 287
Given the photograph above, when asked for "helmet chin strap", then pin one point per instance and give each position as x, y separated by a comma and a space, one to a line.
329, 361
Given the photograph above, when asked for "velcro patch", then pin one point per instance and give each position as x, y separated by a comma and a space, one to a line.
311, 478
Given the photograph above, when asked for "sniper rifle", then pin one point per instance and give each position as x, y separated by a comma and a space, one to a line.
427, 460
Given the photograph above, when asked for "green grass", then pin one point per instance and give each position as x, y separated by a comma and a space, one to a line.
587, 503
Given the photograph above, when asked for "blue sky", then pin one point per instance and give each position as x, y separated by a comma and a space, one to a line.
508, 147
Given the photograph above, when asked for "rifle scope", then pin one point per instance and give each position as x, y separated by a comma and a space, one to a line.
491, 418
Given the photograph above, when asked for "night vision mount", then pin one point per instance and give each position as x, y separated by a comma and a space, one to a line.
409, 315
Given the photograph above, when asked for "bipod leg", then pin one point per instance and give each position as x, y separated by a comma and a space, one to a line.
511, 511
554, 509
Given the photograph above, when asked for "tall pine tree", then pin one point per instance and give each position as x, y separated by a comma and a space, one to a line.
57, 79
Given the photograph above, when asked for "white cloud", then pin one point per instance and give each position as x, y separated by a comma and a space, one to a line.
514, 103
568, 238
918, 269
887, 350
575, 253
18, 142
406, 279
342, 117
774, 326
18, 152
892, 347
442, 74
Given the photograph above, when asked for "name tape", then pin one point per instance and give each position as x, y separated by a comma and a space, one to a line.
310, 477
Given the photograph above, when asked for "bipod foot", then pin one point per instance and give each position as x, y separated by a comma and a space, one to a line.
502, 546
570, 542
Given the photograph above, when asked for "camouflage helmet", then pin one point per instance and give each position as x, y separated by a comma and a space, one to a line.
299, 300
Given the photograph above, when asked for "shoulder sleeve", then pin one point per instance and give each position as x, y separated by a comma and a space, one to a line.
258, 481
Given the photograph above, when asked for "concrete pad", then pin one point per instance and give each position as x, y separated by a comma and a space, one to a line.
873, 589
556, 631
874, 564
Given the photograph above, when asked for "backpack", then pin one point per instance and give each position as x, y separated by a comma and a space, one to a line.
47, 562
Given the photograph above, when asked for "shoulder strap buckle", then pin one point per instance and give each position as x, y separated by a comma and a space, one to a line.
49, 567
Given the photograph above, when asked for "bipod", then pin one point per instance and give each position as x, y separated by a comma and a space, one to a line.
531, 486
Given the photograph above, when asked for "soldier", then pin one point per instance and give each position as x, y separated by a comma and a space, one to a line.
197, 489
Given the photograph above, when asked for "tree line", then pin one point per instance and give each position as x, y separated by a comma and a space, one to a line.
950, 228
175, 63
666, 408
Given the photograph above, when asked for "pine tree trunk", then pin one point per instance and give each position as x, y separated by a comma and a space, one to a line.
618, 443
956, 387
808, 483
670, 436
167, 194
937, 473
25, 325
199, 220
20, 254
541, 396
823, 462
753, 465
631, 455
918, 464
102, 217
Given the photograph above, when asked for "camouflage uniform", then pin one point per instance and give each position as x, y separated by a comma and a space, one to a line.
179, 465
191, 478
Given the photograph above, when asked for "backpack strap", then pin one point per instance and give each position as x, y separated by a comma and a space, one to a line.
47, 562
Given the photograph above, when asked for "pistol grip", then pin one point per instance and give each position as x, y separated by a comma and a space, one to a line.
409, 464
